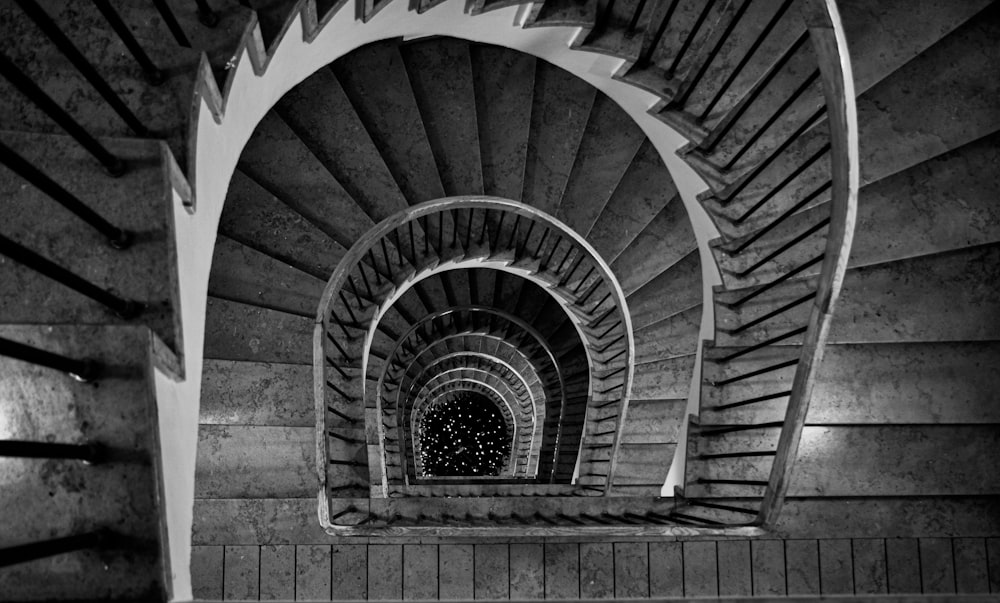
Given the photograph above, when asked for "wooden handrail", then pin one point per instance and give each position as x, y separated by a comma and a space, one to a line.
830, 45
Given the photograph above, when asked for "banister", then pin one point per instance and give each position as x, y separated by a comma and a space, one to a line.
830, 45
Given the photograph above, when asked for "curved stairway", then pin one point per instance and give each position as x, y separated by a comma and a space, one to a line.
906, 375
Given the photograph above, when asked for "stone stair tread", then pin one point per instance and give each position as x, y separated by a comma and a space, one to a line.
140, 201
674, 290
255, 461
942, 297
321, 114
121, 495
279, 161
609, 144
240, 273
504, 87
376, 83
236, 331
255, 217
559, 112
440, 74
236, 392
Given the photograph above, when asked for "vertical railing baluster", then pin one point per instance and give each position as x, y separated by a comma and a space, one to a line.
22, 82
154, 75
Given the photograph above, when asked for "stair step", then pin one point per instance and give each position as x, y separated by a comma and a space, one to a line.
256, 461
559, 112
504, 85
68, 497
375, 80
913, 383
609, 144
320, 113
674, 290
674, 336
235, 331
660, 244
838, 461
669, 378
942, 297
240, 273
279, 161
140, 202
440, 73
921, 202
256, 218
644, 190
235, 392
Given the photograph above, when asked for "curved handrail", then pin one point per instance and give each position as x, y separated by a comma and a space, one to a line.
356, 256
830, 45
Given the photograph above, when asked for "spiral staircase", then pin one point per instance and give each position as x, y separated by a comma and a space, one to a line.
427, 215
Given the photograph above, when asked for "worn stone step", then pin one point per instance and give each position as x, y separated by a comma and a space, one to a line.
608, 147
277, 159
644, 190
647, 421
321, 114
504, 84
67, 497
942, 204
240, 273
256, 461
670, 378
674, 290
943, 297
873, 460
674, 336
236, 331
256, 218
637, 464
235, 392
664, 241
957, 113
375, 80
440, 74
891, 383
561, 104
141, 201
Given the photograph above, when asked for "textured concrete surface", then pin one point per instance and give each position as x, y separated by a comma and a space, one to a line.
255, 217
609, 144
559, 111
256, 461
51, 498
281, 162
375, 81
236, 331
504, 84
257, 393
321, 114
673, 291
440, 73
139, 201
243, 274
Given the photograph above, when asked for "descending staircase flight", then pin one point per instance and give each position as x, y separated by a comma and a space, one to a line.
513, 230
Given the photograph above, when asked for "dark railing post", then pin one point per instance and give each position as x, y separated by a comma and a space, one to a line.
22, 553
122, 307
81, 370
22, 82
171, 22
153, 74
117, 237
90, 452
50, 29
207, 16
